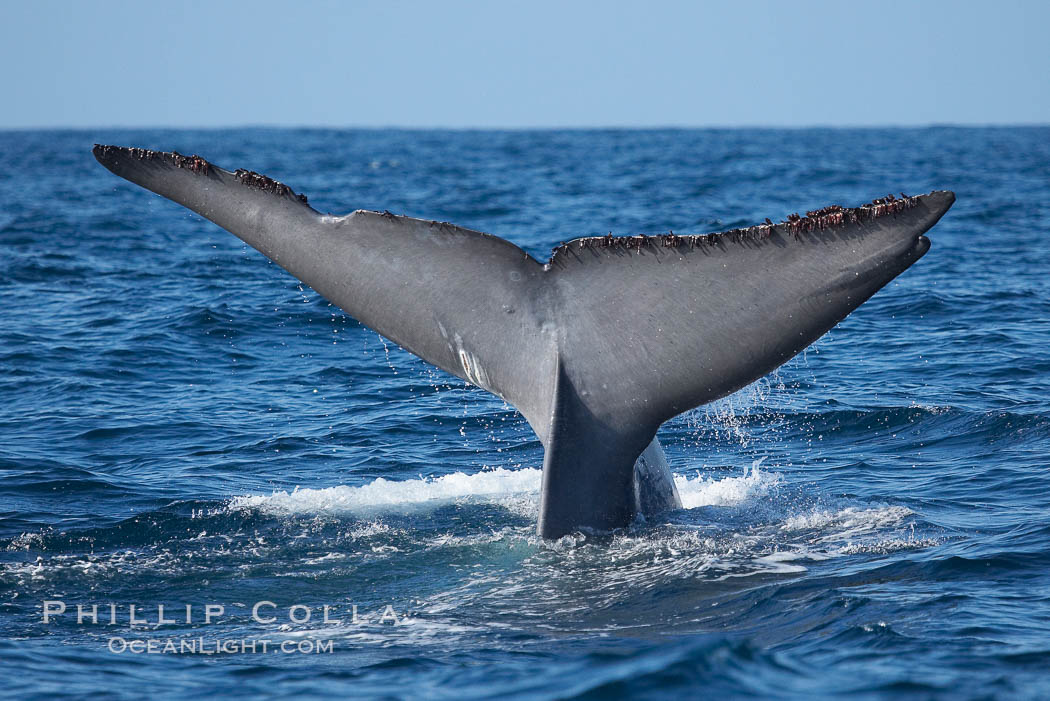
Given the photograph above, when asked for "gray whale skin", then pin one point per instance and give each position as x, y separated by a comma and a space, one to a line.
596, 348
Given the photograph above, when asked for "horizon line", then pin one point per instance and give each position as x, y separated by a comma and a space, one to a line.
537, 127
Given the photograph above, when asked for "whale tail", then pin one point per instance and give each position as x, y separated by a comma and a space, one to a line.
597, 347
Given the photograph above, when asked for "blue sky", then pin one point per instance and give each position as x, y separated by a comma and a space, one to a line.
523, 64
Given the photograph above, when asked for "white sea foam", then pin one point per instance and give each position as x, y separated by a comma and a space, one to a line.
850, 520
774, 539
516, 490
398, 495
730, 491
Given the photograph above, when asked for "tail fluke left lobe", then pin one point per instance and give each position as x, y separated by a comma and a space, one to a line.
467, 302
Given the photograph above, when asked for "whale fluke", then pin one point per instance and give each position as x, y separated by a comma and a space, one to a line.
597, 347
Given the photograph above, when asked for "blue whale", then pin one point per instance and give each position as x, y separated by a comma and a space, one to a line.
597, 347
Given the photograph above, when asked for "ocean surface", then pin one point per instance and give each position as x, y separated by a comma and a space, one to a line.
183, 424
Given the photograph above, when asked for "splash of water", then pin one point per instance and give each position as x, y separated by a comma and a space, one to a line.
515, 489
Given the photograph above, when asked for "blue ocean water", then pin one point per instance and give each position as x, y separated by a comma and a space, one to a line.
183, 424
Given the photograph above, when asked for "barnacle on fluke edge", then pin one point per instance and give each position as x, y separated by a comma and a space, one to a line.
198, 165
194, 163
795, 224
261, 182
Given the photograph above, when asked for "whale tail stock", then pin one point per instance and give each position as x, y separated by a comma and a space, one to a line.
596, 348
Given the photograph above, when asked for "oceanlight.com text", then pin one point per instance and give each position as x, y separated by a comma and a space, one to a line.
219, 646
